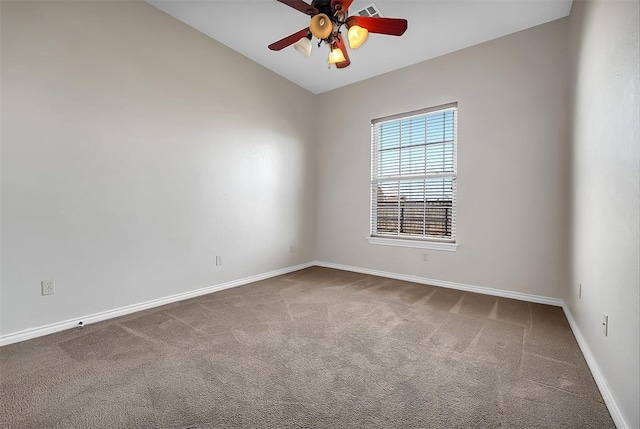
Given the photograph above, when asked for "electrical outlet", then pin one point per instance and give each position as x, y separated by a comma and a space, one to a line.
291, 249
605, 325
218, 261
48, 287
425, 256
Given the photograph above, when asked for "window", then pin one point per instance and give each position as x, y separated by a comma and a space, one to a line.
413, 179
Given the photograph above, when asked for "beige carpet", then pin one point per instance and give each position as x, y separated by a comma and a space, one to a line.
318, 348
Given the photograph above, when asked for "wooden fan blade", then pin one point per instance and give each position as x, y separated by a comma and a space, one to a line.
343, 48
289, 40
389, 26
303, 7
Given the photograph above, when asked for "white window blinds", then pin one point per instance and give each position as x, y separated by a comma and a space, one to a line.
413, 175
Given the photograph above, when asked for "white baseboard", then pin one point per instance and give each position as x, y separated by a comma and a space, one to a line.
605, 390
40, 331
451, 285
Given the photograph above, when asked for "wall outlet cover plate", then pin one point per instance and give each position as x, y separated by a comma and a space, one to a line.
48, 287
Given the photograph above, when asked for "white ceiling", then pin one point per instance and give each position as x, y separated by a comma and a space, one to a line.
436, 27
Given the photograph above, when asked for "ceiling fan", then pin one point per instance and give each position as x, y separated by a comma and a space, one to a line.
327, 19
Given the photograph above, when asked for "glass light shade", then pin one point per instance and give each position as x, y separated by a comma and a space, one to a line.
303, 46
321, 26
336, 56
357, 36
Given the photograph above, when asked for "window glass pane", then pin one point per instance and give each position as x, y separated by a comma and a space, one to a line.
448, 126
387, 208
413, 131
389, 135
439, 158
440, 127
439, 205
435, 128
389, 162
412, 160
412, 207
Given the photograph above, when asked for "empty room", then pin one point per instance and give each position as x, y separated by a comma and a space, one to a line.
320, 214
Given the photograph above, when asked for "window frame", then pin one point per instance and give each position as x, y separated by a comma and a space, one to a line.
426, 242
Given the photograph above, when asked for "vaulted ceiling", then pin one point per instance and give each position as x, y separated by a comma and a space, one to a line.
435, 28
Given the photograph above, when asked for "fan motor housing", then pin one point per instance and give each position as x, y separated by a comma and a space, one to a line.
323, 6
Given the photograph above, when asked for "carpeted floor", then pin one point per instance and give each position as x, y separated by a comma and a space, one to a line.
318, 348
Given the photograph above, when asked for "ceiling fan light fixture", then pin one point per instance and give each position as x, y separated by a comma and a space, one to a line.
336, 55
357, 36
327, 19
321, 26
304, 46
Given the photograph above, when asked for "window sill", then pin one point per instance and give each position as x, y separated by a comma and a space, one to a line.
417, 244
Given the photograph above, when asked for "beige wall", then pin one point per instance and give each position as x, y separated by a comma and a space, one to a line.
134, 150
606, 191
513, 103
